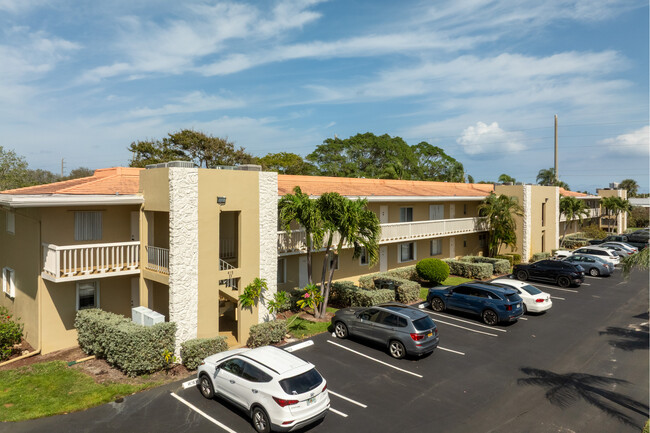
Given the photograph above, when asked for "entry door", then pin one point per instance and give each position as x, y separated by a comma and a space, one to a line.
452, 247
135, 292
135, 226
383, 258
383, 214
436, 211
452, 210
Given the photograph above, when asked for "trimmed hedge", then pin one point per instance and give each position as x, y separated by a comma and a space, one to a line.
134, 349
516, 258
499, 266
540, 256
432, 270
194, 351
405, 291
480, 271
267, 333
350, 295
509, 258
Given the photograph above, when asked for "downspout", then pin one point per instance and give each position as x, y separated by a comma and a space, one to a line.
40, 309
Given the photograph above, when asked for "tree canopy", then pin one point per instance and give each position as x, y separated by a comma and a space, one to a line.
546, 177
573, 209
384, 157
499, 212
286, 163
13, 170
631, 186
189, 145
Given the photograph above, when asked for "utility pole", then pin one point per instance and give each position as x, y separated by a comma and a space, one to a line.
61, 168
557, 175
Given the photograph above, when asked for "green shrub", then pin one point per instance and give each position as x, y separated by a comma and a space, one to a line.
132, 348
405, 273
592, 231
432, 270
408, 292
508, 257
479, 271
11, 333
348, 295
281, 302
194, 351
540, 256
499, 266
516, 258
575, 243
266, 333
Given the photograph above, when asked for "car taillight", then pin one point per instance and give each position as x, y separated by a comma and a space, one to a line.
539, 300
508, 307
417, 337
282, 402
287, 422
324, 388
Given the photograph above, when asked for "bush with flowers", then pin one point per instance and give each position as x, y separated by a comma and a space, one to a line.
311, 298
11, 333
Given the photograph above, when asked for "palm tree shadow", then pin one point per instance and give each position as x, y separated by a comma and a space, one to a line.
565, 389
632, 339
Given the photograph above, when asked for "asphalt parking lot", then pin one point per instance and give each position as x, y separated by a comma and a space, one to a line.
582, 366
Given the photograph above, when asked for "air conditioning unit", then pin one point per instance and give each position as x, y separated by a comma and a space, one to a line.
153, 317
137, 314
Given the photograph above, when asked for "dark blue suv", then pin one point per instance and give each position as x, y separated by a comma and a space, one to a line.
494, 304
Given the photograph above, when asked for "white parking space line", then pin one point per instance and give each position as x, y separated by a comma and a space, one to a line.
203, 414
466, 321
344, 415
469, 329
452, 351
329, 391
557, 288
373, 359
522, 318
299, 346
557, 297
585, 284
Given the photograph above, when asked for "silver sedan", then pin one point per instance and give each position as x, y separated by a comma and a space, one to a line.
594, 265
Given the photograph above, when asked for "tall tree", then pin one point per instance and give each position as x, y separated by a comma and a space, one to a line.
504, 178
299, 208
434, 164
631, 186
546, 177
13, 170
573, 209
347, 223
80, 172
615, 206
286, 163
499, 212
154, 152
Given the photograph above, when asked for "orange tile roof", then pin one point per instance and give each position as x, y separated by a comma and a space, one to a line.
568, 193
105, 181
317, 185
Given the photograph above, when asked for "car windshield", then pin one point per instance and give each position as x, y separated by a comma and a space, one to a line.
531, 289
424, 323
302, 383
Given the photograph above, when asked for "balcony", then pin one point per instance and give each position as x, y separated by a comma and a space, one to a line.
157, 259
592, 213
83, 262
294, 241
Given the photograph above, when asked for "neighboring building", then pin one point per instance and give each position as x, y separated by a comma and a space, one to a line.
185, 241
618, 222
594, 212
640, 201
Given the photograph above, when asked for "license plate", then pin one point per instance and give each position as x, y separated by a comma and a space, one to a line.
311, 400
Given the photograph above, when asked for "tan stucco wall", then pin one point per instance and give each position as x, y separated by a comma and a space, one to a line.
462, 209
516, 191
22, 253
543, 195
154, 186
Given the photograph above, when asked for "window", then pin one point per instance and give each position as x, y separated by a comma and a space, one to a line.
87, 226
282, 271
436, 211
234, 366
464, 209
87, 295
9, 282
363, 258
407, 252
393, 320
543, 215
371, 315
464, 242
254, 374
405, 214
436, 247
11, 223
462, 290
482, 239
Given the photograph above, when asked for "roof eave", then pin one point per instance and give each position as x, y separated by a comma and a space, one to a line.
58, 200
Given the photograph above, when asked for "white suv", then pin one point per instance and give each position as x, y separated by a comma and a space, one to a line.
279, 391
601, 252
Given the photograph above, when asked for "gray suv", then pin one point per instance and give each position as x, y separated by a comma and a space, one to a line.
402, 329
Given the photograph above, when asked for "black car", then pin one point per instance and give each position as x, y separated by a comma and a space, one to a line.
559, 272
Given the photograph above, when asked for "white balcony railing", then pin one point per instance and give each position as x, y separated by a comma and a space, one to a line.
78, 262
157, 259
593, 213
295, 240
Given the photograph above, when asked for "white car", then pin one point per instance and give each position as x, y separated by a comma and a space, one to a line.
535, 301
623, 245
604, 253
279, 391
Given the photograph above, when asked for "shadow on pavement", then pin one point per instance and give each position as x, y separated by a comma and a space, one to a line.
631, 338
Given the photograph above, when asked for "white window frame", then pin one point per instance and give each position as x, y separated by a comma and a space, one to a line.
9, 282
399, 252
363, 257
282, 264
403, 214
439, 249
10, 224
83, 231
97, 292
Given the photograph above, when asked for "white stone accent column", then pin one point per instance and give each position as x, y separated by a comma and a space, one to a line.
556, 244
268, 188
184, 252
528, 221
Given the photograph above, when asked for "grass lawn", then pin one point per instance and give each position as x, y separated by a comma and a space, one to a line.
450, 281
50, 388
301, 328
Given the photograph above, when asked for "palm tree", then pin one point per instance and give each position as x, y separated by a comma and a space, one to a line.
504, 178
631, 186
356, 226
300, 208
546, 177
572, 208
499, 212
615, 206
640, 260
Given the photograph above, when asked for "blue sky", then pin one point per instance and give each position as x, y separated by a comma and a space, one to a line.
481, 79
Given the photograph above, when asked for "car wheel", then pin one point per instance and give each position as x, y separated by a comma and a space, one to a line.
261, 421
594, 272
564, 282
490, 317
396, 349
205, 386
341, 330
437, 304
522, 275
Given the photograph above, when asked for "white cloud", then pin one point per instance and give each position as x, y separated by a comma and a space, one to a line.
635, 143
193, 102
483, 138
